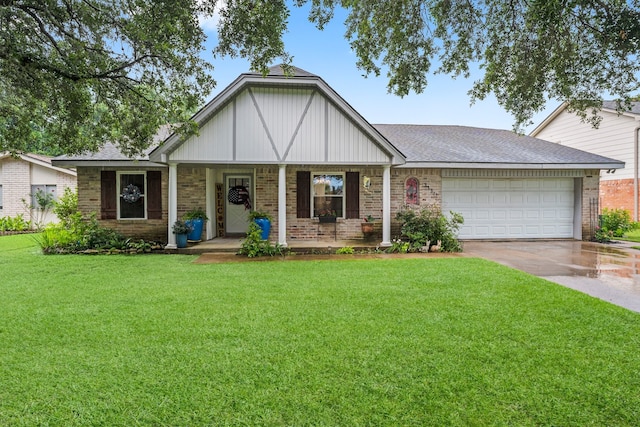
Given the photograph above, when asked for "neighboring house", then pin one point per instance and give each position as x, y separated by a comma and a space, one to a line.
23, 176
299, 150
616, 136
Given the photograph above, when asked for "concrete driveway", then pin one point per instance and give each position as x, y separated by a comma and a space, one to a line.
610, 272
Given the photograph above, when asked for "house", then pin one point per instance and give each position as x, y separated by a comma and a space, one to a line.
24, 175
616, 136
294, 147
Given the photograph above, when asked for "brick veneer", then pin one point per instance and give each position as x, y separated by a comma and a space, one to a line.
617, 194
192, 194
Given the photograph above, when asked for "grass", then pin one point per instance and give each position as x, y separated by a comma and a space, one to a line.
632, 236
157, 340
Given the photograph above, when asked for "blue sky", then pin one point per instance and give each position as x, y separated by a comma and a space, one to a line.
327, 54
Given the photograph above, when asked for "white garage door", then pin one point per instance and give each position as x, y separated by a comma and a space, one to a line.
511, 208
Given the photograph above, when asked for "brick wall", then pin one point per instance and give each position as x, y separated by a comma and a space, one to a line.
16, 186
89, 201
590, 192
617, 194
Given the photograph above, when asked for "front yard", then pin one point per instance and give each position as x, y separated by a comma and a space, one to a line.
158, 340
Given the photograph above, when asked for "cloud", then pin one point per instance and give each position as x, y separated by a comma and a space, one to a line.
209, 23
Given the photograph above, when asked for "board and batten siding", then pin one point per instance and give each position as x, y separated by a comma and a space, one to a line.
280, 125
613, 138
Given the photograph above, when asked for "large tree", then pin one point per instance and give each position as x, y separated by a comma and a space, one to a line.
85, 71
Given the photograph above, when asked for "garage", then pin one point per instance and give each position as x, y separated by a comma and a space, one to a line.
511, 208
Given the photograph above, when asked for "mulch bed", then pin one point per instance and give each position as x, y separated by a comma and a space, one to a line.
219, 258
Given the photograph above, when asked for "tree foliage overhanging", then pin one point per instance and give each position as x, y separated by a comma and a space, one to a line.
76, 73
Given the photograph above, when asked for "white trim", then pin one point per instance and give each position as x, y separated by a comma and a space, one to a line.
282, 205
39, 162
210, 202
172, 205
386, 207
108, 163
544, 166
343, 195
512, 173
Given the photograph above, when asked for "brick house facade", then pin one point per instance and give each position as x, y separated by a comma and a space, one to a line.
295, 146
22, 175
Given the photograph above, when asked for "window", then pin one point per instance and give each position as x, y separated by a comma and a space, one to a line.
328, 195
0, 197
131, 195
42, 195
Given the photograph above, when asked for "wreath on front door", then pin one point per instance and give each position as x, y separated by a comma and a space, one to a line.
131, 193
239, 195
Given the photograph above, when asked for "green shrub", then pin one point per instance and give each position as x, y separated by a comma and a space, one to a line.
66, 206
254, 246
347, 250
16, 223
615, 222
430, 224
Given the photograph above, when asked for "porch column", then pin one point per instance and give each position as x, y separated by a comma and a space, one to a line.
210, 202
172, 205
386, 206
282, 205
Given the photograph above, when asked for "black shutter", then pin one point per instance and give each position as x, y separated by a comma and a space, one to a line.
108, 195
353, 195
154, 195
303, 194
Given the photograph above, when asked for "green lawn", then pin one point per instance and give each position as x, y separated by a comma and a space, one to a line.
157, 340
632, 236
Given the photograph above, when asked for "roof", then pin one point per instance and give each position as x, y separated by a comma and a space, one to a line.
277, 77
277, 70
608, 106
419, 145
112, 154
39, 159
462, 146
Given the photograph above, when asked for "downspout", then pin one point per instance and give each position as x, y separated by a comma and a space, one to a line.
635, 173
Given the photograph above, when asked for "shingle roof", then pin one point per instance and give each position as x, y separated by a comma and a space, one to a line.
461, 144
611, 105
110, 152
277, 70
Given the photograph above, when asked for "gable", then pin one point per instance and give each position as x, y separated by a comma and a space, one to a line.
284, 123
613, 138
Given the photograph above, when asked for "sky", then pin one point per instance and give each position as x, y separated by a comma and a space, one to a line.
327, 53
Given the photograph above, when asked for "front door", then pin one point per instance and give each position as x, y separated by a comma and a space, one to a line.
238, 203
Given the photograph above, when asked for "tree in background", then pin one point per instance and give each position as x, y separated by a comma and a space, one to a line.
86, 71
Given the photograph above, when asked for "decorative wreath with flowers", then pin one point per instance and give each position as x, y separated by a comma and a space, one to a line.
131, 193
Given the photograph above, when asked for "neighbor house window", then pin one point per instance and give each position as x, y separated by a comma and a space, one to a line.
130, 195
43, 195
0, 197
335, 193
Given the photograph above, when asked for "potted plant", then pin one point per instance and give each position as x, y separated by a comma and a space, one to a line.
327, 215
367, 225
263, 220
195, 219
181, 229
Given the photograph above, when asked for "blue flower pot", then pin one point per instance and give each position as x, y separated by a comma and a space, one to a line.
196, 229
181, 240
265, 226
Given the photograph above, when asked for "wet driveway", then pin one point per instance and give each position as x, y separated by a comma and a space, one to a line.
610, 272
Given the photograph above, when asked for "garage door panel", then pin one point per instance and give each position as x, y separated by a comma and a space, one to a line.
511, 208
